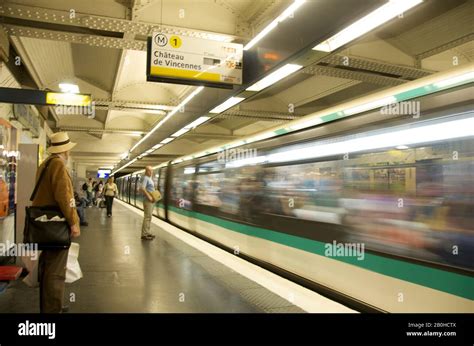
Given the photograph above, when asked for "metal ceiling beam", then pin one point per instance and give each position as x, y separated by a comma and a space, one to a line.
33, 17
261, 12
139, 5
91, 40
405, 72
123, 104
366, 77
94, 130
258, 115
444, 47
222, 136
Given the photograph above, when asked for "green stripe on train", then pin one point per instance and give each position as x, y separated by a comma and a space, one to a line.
453, 283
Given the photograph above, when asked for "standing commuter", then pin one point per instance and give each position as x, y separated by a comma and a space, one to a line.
56, 190
110, 190
90, 196
147, 187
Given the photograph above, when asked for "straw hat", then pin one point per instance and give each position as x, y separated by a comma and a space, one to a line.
60, 143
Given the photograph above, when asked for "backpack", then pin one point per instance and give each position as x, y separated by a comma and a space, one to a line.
84, 187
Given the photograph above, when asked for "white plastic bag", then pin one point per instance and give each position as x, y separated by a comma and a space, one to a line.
73, 270
31, 264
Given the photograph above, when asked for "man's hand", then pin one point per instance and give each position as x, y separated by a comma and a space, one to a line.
75, 231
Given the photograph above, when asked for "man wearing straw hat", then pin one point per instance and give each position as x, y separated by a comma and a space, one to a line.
56, 189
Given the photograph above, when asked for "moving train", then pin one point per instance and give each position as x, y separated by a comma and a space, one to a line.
374, 211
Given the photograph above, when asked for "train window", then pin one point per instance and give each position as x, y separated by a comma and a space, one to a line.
213, 166
156, 177
182, 187
161, 180
208, 184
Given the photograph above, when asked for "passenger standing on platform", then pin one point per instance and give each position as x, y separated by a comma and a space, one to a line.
56, 190
147, 187
110, 190
89, 192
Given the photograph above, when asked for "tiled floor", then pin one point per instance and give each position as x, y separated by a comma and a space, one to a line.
122, 273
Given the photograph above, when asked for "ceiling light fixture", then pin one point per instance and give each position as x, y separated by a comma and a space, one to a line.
274, 77
125, 165
180, 132
69, 88
285, 14
167, 140
197, 122
371, 21
169, 115
230, 102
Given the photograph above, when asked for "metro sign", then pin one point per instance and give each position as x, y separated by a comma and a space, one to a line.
193, 61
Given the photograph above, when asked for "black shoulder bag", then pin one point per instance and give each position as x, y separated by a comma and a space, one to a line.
50, 235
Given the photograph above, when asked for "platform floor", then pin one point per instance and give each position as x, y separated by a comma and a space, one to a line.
122, 273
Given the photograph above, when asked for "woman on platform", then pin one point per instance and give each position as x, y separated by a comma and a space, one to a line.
110, 190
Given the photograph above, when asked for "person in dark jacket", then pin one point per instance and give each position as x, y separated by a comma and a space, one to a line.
56, 190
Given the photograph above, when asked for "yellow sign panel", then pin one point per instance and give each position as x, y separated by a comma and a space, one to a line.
174, 72
184, 58
68, 99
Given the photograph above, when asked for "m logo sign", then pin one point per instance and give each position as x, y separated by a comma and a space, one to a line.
161, 40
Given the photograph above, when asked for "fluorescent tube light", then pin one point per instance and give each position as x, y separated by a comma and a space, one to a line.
274, 77
180, 132
230, 102
156, 146
167, 140
125, 165
69, 88
285, 14
169, 115
371, 21
371, 105
197, 122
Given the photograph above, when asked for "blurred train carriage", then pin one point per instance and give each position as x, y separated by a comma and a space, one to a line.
412, 206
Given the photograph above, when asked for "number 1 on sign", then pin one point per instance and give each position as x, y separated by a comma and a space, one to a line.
175, 42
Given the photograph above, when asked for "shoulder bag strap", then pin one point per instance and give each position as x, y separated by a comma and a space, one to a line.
40, 178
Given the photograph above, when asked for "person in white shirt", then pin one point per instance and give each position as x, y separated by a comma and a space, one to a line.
110, 190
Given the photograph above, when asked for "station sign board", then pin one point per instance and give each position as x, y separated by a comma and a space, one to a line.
194, 61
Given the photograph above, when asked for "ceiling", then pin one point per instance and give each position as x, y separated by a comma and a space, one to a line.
100, 45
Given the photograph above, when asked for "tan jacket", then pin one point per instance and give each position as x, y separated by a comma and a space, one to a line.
56, 189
